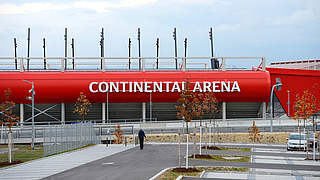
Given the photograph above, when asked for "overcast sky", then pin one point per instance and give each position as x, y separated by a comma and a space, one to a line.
280, 30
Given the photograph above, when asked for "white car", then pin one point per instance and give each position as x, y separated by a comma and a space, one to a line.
296, 141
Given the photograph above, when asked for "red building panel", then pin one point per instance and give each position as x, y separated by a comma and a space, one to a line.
57, 87
295, 81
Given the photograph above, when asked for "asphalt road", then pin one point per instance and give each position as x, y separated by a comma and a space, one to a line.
255, 153
133, 164
136, 164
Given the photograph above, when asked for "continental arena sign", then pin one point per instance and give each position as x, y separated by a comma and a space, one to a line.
125, 86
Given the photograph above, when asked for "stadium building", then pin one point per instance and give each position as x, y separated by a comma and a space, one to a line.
147, 93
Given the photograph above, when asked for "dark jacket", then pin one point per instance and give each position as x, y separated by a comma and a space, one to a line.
141, 134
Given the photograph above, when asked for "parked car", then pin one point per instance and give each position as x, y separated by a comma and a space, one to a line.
296, 141
310, 137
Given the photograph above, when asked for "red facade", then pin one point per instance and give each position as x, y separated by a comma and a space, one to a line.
57, 87
295, 81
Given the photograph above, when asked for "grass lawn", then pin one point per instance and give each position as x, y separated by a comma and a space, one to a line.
233, 149
170, 175
24, 153
220, 158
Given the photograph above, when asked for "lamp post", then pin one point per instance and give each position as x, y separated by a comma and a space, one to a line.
288, 103
107, 107
32, 99
271, 110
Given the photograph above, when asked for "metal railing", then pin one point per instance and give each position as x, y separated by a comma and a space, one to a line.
63, 138
122, 63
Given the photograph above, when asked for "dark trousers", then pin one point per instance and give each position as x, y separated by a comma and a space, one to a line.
141, 142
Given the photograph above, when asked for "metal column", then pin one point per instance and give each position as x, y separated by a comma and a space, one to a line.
150, 106
63, 112
144, 112
103, 113
21, 114
264, 111
224, 104
224, 111
108, 107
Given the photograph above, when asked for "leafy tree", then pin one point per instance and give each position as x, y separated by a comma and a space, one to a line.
188, 105
8, 119
304, 107
82, 106
210, 104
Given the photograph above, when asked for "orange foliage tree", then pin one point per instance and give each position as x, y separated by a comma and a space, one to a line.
304, 107
118, 133
210, 104
82, 106
7, 118
188, 105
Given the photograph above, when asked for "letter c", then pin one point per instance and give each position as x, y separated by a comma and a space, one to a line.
90, 87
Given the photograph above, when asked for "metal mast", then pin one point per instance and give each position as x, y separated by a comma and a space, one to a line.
175, 46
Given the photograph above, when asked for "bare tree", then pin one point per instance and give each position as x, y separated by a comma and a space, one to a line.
8, 119
254, 134
210, 106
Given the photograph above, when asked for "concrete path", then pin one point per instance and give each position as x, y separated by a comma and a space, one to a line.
48, 166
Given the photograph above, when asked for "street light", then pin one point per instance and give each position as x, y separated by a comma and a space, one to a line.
31, 98
288, 103
278, 85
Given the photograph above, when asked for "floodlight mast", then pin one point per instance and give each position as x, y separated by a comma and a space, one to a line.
32, 99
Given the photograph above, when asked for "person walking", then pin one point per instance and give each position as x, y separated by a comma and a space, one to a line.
141, 136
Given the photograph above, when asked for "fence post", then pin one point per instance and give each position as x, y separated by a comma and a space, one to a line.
56, 145
1, 132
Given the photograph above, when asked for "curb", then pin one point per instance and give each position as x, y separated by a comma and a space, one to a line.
160, 173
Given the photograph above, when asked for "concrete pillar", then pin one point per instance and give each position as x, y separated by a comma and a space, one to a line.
21, 114
224, 104
103, 113
224, 111
63, 113
144, 112
264, 110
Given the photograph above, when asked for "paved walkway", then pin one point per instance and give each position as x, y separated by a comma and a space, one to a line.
48, 166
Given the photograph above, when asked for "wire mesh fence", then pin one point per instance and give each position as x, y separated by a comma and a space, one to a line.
62, 138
